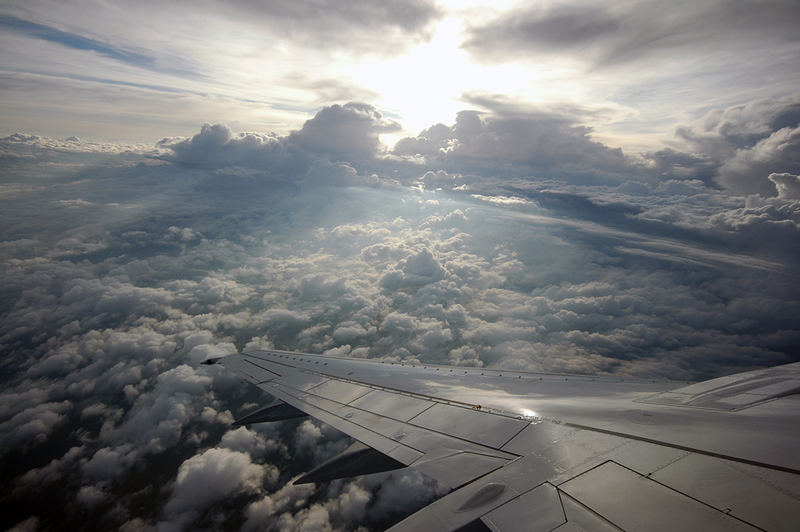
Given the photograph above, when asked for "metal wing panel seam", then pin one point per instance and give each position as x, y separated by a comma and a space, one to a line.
695, 499
341, 423
475, 447
686, 448
434, 399
514, 436
263, 368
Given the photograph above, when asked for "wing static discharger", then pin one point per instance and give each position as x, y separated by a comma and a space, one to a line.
358, 459
277, 411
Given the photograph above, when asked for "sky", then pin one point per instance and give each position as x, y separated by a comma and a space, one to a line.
543, 186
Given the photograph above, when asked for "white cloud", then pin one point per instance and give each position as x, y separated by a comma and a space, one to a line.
415, 270
788, 185
206, 478
748, 171
352, 504
244, 440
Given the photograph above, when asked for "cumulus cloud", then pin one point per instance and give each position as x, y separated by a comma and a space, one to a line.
322, 152
415, 270
788, 185
347, 131
34, 424
244, 440
749, 170
738, 147
206, 478
217, 146
516, 142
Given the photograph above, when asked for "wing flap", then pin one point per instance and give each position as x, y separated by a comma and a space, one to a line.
427, 450
635, 502
452, 444
538, 509
607, 482
748, 492
328, 412
580, 518
459, 468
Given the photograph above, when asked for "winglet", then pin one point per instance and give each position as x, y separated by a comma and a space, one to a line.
358, 459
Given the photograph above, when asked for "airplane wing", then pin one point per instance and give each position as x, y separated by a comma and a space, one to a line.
529, 451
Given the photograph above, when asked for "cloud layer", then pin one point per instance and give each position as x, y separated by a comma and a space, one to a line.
502, 240
634, 31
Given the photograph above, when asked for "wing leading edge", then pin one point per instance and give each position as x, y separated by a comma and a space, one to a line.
528, 451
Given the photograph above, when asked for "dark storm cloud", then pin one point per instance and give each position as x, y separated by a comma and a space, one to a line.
624, 32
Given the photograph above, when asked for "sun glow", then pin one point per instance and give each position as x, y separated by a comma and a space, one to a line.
428, 84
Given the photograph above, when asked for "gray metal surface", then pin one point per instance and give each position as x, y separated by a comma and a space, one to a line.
392, 405
470, 424
763, 433
538, 509
634, 502
343, 392
750, 493
579, 517
616, 453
